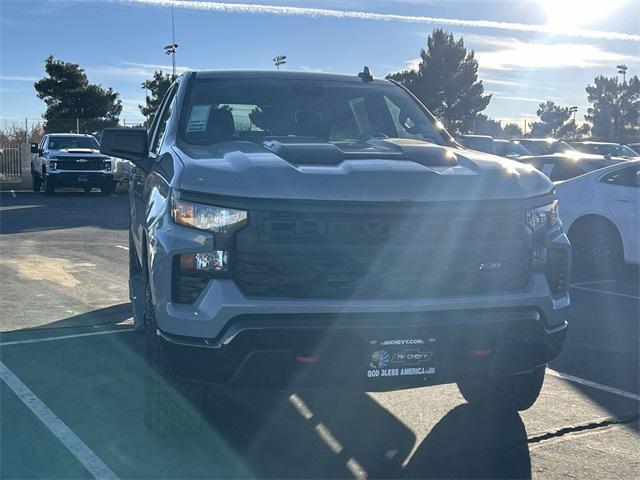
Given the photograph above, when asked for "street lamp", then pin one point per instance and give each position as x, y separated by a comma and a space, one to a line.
573, 110
279, 60
171, 50
622, 70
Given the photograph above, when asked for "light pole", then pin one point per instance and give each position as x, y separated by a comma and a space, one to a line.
173, 46
573, 110
622, 70
279, 60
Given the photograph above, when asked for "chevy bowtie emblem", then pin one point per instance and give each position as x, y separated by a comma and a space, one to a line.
82, 160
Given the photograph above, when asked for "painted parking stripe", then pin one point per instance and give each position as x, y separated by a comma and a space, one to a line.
589, 383
69, 439
64, 337
605, 292
122, 247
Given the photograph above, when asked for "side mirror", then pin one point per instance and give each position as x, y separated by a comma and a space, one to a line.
608, 156
34, 148
128, 143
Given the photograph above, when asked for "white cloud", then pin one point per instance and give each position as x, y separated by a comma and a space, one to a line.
511, 53
363, 15
18, 78
132, 70
520, 98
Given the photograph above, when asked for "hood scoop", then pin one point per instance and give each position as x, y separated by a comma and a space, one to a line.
311, 151
418, 151
77, 150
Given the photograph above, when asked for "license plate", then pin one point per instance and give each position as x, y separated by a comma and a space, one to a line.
83, 178
401, 357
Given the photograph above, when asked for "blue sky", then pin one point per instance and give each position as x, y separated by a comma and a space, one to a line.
529, 51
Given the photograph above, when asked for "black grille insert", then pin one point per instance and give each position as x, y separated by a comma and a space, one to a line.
87, 164
415, 255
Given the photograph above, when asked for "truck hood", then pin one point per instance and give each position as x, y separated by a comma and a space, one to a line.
245, 169
77, 153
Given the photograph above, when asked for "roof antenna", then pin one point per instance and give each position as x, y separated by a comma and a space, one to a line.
365, 75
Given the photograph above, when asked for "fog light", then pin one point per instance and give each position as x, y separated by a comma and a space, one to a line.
204, 262
193, 271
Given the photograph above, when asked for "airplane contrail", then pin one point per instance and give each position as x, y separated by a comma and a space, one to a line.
253, 8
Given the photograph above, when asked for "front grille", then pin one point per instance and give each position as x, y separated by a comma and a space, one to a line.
76, 165
416, 255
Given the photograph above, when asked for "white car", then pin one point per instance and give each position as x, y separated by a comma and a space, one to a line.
601, 213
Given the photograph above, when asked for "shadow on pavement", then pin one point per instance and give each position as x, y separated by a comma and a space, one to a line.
111, 315
469, 444
27, 210
349, 434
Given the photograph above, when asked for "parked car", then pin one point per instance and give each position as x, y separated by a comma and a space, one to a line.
70, 160
510, 149
635, 147
481, 143
601, 212
605, 148
545, 146
298, 229
564, 166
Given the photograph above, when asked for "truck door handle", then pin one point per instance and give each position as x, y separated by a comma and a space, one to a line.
624, 200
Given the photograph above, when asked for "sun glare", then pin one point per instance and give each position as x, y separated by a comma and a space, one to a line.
576, 13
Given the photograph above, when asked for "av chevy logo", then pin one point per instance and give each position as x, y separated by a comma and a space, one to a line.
411, 357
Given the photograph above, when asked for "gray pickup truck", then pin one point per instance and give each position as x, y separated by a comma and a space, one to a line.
70, 160
295, 230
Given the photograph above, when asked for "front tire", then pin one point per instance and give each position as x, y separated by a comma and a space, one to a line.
172, 405
37, 181
49, 185
108, 188
597, 248
511, 393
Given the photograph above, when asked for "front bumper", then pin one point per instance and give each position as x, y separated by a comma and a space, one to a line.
80, 178
288, 351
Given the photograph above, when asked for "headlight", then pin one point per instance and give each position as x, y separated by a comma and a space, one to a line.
543, 217
207, 217
53, 165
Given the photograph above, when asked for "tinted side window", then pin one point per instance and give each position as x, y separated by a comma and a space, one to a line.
566, 170
162, 120
626, 177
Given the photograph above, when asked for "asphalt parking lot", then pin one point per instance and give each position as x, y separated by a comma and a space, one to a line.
72, 395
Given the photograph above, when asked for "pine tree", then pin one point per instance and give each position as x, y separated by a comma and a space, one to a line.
72, 100
158, 87
446, 81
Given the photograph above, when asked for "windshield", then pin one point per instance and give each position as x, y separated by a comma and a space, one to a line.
58, 143
543, 147
511, 149
606, 149
309, 110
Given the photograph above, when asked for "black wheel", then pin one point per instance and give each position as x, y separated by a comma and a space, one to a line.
49, 185
173, 406
510, 393
37, 182
88, 189
597, 248
108, 188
